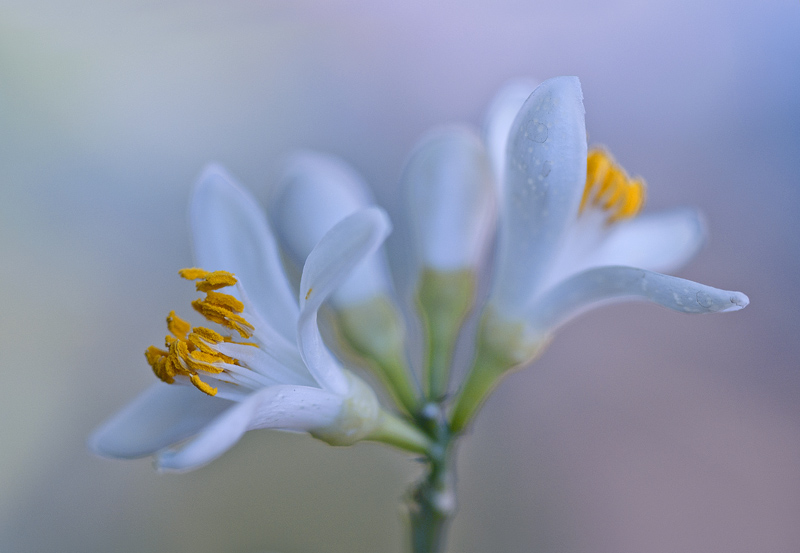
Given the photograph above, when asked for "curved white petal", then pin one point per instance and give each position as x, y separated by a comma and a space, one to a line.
500, 116
231, 234
603, 285
257, 359
279, 407
451, 198
346, 245
317, 191
545, 176
161, 416
661, 242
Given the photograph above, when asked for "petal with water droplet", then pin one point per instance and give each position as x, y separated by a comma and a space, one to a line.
604, 285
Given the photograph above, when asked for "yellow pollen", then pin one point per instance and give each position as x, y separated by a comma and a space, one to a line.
224, 300
224, 316
177, 326
207, 334
215, 281
609, 188
189, 351
201, 341
309, 292
208, 280
192, 273
202, 386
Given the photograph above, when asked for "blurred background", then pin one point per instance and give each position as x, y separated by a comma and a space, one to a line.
639, 429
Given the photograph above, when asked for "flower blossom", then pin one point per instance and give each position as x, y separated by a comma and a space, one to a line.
567, 223
266, 366
570, 239
567, 235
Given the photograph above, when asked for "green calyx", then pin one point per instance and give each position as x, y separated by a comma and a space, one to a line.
373, 330
501, 346
362, 418
444, 299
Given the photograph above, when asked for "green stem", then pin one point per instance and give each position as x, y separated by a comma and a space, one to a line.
433, 499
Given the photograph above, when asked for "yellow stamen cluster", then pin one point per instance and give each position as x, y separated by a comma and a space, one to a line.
188, 350
610, 188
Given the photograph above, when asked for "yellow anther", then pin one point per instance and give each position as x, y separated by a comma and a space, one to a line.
634, 201
224, 300
153, 354
208, 280
157, 359
215, 281
207, 334
224, 316
177, 326
190, 352
609, 188
202, 340
199, 361
308, 294
160, 370
192, 273
202, 386
171, 368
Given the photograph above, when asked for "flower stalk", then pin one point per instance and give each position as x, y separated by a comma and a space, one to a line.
432, 501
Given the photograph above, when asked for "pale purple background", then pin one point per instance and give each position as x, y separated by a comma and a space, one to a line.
639, 430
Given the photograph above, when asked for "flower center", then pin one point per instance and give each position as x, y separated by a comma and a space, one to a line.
610, 189
190, 352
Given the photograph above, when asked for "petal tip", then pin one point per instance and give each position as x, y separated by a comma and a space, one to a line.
738, 302
165, 463
565, 87
213, 173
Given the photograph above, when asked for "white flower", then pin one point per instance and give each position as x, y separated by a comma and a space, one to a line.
273, 370
568, 240
557, 257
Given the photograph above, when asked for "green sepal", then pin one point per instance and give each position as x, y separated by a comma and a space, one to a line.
501, 347
374, 332
444, 299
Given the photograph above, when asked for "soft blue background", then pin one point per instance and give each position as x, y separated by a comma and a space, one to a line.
639, 430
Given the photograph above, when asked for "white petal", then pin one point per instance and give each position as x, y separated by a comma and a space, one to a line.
604, 285
451, 198
231, 234
545, 176
500, 116
161, 416
279, 407
328, 265
661, 242
317, 191
259, 360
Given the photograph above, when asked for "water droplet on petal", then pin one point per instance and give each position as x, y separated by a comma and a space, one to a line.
536, 131
704, 300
